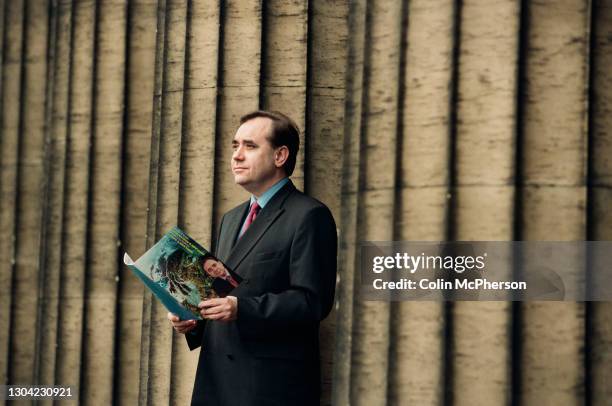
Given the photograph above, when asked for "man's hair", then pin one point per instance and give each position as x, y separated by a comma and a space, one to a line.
284, 132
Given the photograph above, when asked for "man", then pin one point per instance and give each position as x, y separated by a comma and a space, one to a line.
260, 343
216, 269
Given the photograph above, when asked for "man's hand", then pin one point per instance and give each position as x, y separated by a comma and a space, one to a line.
221, 309
181, 326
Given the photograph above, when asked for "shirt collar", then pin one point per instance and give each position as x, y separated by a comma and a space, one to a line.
269, 194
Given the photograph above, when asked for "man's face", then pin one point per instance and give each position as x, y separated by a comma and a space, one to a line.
213, 268
253, 162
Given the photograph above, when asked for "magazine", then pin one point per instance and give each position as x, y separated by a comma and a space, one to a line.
181, 273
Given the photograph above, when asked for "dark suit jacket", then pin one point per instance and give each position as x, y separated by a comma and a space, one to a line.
270, 354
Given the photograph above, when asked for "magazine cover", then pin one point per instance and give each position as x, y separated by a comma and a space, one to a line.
181, 273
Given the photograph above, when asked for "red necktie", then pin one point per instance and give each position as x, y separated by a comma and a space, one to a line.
251, 217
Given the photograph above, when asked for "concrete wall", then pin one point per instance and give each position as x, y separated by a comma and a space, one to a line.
421, 120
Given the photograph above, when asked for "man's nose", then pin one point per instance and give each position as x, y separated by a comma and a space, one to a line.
238, 154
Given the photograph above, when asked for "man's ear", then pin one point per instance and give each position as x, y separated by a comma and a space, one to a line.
281, 155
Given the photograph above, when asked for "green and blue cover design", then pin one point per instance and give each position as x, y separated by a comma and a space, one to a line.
181, 273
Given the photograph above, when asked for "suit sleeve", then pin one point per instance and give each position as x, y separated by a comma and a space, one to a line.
194, 337
312, 277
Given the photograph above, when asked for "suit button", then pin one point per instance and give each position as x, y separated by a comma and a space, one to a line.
230, 357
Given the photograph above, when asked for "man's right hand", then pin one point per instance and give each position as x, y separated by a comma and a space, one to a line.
181, 326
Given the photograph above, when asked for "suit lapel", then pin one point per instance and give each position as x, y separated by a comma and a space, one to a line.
267, 216
230, 231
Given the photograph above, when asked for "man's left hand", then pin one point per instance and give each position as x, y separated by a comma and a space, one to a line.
221, 309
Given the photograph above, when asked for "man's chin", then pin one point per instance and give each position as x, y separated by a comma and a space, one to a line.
240, 180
